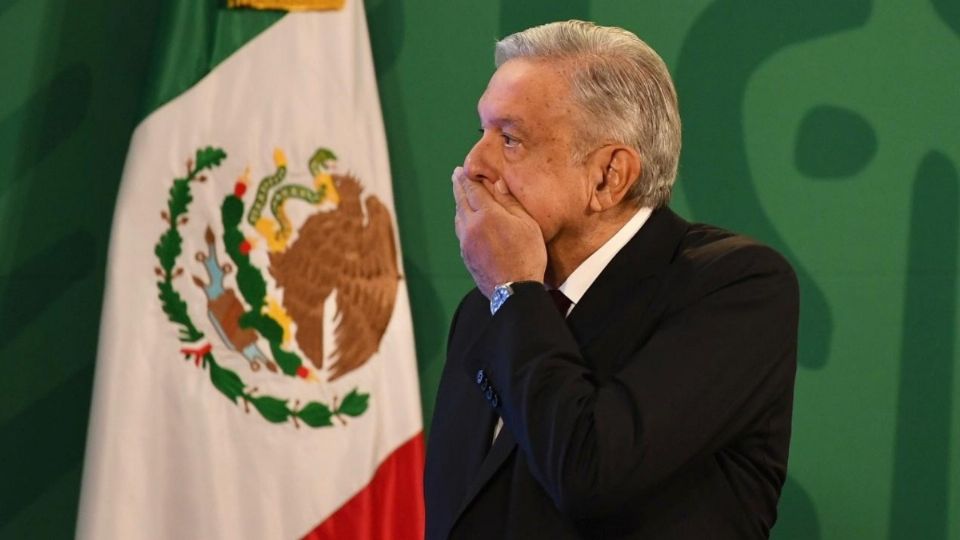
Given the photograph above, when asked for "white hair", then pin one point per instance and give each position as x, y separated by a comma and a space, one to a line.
624, 90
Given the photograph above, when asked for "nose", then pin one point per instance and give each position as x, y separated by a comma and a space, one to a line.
481, 162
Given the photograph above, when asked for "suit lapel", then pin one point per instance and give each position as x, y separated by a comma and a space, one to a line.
629, 277
622, 292
502, 448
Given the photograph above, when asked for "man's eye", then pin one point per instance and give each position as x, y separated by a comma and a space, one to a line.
508, 140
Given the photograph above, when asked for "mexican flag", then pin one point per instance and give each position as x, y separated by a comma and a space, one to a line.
256, 375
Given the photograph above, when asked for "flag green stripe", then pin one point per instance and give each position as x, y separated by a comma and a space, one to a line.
194, 37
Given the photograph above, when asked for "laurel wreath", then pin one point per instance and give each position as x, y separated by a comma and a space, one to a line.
253, 288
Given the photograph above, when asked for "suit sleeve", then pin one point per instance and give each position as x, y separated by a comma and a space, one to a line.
699, 382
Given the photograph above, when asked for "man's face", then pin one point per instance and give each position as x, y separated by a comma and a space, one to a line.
528, 121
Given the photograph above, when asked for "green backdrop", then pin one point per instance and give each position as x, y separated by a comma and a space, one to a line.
828, 129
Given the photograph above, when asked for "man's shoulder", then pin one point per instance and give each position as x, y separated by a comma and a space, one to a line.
706, 245
713, 257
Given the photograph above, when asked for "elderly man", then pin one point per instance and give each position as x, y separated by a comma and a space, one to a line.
618, 372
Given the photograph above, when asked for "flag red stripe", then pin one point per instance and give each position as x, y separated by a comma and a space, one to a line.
391, 506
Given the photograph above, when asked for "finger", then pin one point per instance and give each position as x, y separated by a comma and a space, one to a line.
458, 226
501, 193
476, 195
459, 196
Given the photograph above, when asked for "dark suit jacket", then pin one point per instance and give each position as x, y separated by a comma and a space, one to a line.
660, 408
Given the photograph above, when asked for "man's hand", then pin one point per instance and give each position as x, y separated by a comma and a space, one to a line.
499, 241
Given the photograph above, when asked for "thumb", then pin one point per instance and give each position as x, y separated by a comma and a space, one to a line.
506, 199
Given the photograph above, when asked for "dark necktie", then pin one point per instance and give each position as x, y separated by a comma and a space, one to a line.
561, 301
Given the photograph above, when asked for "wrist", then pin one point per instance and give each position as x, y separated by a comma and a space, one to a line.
504, 291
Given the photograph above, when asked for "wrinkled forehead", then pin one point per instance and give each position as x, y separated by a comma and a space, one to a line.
524, 91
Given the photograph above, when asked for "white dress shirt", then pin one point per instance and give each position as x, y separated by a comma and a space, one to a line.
583, 277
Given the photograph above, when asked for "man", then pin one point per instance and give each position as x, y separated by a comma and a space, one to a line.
653, 398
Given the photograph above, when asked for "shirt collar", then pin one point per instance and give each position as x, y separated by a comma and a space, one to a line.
583, 277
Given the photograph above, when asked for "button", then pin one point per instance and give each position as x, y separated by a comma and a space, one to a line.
489, 394
484, 384
481, 376
495, 401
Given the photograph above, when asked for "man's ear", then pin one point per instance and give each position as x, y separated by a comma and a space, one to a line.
614, 168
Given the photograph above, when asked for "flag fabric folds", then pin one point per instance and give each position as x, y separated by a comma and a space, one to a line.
256, 375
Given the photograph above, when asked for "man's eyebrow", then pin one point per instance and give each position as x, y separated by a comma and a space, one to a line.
507, 122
